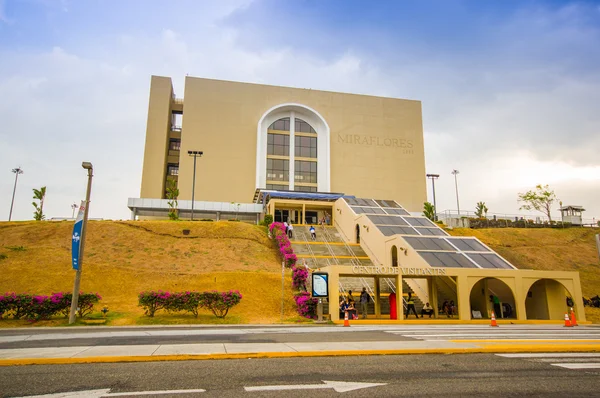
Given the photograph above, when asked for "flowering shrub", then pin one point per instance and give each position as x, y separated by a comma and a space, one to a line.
37, 307
218, 302
153, 301
307, 305
299, 277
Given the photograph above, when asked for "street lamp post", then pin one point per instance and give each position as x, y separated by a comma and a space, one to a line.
455, 173
75, 299
17, 171
195, 154
74, 207
433, 178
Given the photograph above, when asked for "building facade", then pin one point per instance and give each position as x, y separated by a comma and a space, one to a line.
257, 136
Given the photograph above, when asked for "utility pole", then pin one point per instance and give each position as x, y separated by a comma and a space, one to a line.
433, 178
455, 172
17, 171
195, 154
75, 298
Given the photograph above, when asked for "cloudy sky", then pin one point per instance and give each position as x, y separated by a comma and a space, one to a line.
510, 89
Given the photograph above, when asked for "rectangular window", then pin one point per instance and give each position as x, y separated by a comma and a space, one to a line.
278, 170
278, 144
301, 188
278, 187
174, 145
172, 169
305, 171
306, 147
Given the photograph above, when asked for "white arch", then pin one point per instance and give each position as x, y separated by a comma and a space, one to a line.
310, 116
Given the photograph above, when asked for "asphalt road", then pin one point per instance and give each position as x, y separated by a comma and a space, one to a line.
407, 375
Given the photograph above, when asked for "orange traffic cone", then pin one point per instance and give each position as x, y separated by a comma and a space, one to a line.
567, 321
346, 321
494, 323
573, 319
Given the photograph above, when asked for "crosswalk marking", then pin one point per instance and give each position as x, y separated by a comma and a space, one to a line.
566, 360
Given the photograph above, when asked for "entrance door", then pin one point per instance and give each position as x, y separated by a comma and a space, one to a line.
311, 217
357, 233
282, 215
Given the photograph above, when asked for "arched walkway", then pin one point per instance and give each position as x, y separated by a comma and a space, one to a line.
547, 299
491, 294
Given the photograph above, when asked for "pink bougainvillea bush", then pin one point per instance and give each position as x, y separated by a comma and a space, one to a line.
38, 307
306, 305
219, 303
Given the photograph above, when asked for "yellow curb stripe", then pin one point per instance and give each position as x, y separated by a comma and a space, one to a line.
527, 341
444, 321
492, 349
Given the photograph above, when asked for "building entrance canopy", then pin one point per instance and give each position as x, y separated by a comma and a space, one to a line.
530, 295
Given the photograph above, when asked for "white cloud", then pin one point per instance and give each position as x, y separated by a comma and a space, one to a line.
505, 127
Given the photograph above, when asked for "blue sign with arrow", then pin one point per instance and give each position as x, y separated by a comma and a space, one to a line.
76, 238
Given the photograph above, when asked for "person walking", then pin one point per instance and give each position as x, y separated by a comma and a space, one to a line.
290, 231
313, 233
410, 305
364, 303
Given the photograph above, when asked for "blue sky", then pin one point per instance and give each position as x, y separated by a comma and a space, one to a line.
510, 89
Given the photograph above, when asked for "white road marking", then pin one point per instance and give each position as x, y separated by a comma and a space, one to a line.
106, 393
589, 365
551, 355
338, 386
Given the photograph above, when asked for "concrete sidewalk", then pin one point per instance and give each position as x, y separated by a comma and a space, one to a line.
30, 346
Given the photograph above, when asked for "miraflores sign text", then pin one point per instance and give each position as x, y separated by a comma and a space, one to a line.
371, 140
357, 269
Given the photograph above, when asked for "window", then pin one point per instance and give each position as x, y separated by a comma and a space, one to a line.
281, 124
300, 126
278, 187
301, 188
278, 144
173, 169
278, 170
306, 147
175, 145
305, 171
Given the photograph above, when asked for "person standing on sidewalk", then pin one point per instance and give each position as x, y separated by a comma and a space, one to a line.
364, 303
410, 305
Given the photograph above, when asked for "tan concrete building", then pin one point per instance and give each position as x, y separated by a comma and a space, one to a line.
258, 136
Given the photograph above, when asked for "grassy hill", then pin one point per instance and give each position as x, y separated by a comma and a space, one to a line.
124, 258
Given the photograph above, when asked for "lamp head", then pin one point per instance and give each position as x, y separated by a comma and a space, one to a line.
433, 175
195, 153
87, 166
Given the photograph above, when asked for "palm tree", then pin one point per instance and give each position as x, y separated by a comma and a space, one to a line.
39, 194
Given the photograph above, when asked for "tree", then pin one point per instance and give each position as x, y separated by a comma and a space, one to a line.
39, 194
540, 199
481, 210
172, 194
429, 211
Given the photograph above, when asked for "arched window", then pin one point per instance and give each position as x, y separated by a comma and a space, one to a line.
303, 175
299, 137
394, 256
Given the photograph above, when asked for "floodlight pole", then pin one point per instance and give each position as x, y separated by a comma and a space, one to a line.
17, 171
455, 172
75, 298
433, 178
195, 154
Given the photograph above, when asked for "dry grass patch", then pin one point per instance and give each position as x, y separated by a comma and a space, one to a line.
124, 258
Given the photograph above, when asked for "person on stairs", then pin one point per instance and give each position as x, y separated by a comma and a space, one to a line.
313, 233
410, 305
